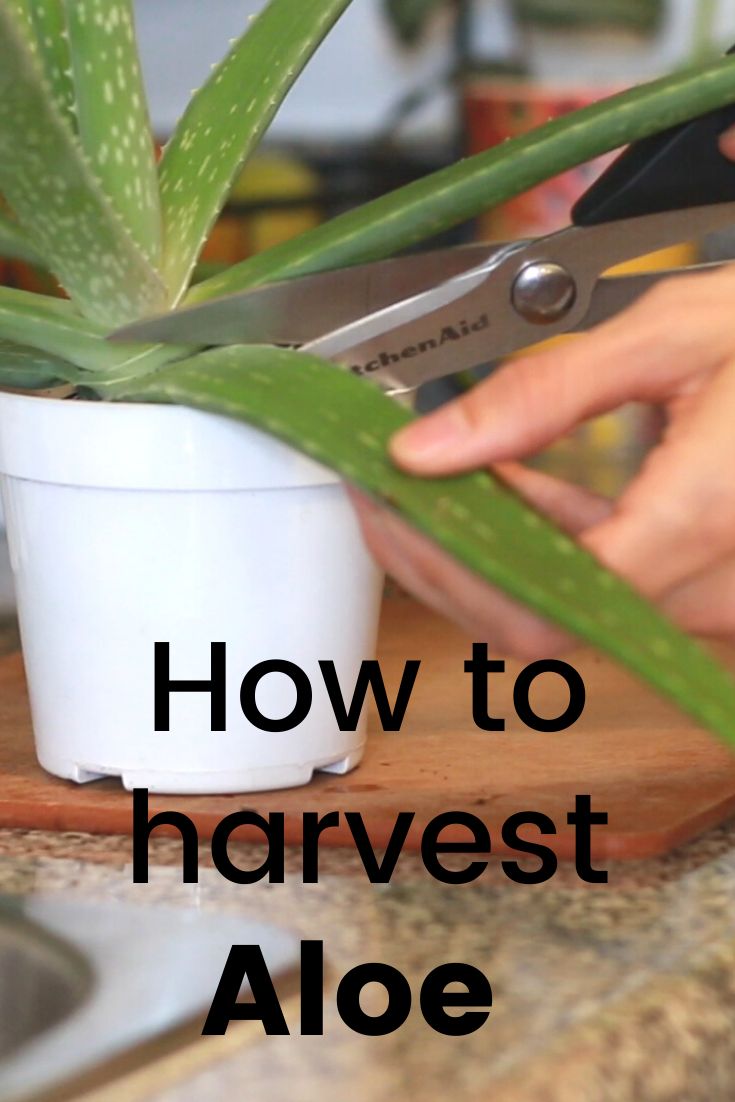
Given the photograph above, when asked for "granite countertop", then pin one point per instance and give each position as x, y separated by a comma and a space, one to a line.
601, 993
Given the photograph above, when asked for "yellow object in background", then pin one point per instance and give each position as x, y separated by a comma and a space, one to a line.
270, 178
676, 256
276, 176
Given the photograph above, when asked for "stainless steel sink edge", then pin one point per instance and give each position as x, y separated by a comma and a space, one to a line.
154, 969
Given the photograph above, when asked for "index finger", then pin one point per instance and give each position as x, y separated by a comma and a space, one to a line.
679, 329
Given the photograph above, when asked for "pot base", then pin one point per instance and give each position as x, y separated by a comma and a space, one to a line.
204, 784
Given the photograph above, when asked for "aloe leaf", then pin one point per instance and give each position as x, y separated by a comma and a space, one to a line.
443, 199
113, 120
43, 26
23, 12
409, 17
30, 369
225, 121
635, 15
346, 423
48, 23
52, 326
52, 190
703, 36
14, 243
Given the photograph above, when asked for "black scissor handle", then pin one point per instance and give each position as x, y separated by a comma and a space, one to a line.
675, 170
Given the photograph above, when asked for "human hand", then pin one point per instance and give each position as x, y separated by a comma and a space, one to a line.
672, 531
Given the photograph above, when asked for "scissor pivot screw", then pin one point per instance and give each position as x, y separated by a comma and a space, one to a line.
543, 293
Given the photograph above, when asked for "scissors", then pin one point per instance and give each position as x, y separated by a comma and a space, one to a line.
405, 322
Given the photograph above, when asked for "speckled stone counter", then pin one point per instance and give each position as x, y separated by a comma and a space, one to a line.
619, 993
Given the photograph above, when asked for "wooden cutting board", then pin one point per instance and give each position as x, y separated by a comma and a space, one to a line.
660, 778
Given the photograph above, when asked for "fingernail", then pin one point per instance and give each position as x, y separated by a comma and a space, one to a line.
432, 437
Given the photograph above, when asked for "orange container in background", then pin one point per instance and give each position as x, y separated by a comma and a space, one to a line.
496, 110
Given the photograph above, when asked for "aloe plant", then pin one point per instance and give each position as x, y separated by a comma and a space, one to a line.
643, 16
85, 199
409, 18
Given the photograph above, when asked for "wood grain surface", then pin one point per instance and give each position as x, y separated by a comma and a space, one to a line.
660, 778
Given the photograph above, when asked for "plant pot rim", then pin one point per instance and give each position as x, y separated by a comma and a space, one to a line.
143, 446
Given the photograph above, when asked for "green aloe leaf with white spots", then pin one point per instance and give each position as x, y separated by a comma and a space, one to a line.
52, 326
52, 190
15, 243
22, 10
48, 24
112, 114
474, 517
25, 368
227, 118
43, 26
463, 190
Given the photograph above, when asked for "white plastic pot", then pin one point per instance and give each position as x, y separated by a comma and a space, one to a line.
136, 524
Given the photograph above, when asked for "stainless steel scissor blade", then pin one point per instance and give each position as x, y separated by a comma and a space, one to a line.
482, 302
299, 310
544, 288
406, 321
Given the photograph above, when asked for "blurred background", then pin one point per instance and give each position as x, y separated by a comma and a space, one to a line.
402, 87
364, 68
